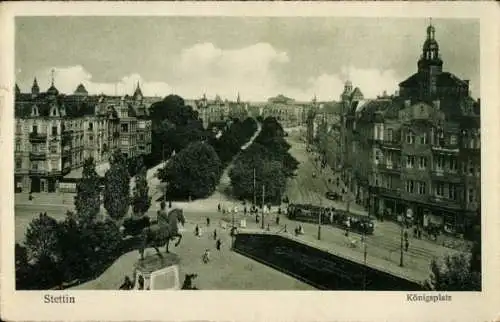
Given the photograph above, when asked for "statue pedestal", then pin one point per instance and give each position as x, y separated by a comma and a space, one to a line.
157, 273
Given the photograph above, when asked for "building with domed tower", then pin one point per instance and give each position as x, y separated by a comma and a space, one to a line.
55, 133
416, 153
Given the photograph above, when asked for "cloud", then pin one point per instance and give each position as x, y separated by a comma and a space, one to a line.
205, 68
66, 80
251, 71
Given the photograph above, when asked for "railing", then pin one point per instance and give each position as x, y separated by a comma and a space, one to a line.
391, 144
447, 175
38, 137
442, 201
38, 171
38, 156
389, 167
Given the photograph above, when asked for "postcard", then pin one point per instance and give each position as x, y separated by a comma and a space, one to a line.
250, 161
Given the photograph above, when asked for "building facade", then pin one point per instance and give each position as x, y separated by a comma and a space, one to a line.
55, 133
417, 153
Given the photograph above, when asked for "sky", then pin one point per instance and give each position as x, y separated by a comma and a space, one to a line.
258, 57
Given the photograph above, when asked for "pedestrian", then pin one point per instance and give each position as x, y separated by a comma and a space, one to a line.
406, 235
218, 244
127, 284
218, 207
407, 244
206, 256
268, 228
170, 204
245, 210
419, 233
208, 221
215, 234
278, 219
197, 231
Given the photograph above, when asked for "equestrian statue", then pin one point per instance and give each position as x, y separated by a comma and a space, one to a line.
158, 233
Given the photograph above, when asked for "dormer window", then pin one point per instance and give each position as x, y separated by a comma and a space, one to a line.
34, 111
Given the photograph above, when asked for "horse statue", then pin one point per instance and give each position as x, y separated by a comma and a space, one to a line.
160, 233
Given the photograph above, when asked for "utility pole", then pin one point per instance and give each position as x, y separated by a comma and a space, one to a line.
364, 256
263, 193
319, 219
402, 229
254, 189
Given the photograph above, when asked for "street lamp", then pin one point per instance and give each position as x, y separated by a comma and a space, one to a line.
319, 218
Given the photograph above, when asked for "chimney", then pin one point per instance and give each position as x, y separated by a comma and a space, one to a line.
407, 103
437, 104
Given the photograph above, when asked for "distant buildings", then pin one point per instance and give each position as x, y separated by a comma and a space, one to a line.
416, 153
217, 110
55, 133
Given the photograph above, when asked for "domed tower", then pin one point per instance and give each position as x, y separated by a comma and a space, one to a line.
346, 95
52, 91
35, 89
430, 64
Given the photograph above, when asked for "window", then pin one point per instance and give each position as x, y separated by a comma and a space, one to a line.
410, 161
440, 162
422, 162
423, 138
440, 189
35, 129
452, 192
54, 164
390, 135
453, 164
388, 158
409, 186
34, 166
53, 149
125, 155
453, 139
471, 195
141, 137
124, 128
124, 141
19, 163
422, 188
18, 146
54, 130
471, 143
471, 168
410, 137
91, 137
91, 126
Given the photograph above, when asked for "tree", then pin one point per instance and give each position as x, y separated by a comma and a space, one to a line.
141, 201
117, 187
88, 194
194, 171
22, 266
453, 274
175, 125
41, 238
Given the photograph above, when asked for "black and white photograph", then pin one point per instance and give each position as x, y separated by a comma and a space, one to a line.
247, 153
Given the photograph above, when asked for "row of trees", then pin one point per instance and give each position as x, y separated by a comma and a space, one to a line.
84, 243
174, 126
196, 170
268, 158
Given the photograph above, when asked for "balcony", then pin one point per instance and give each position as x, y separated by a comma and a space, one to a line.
392, 192
446, 147
389, 167
444, 202
395, 145
38, 137
38, 171
38, 156
446, 175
